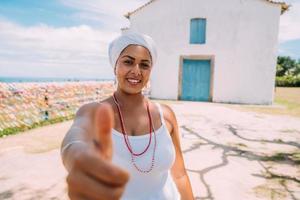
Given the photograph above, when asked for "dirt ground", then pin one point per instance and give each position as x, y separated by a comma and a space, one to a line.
230, 154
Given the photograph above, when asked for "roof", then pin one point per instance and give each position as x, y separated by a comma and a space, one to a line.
284, 6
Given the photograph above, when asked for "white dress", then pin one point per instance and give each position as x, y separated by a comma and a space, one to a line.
158, 183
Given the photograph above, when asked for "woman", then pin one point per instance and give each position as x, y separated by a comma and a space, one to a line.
126, 147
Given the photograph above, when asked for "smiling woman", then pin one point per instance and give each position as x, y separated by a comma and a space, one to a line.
138, 140
131, 59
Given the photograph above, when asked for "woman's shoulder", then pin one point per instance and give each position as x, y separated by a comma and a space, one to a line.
167, 110
168, 114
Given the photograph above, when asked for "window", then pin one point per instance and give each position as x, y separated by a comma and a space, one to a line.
198, 31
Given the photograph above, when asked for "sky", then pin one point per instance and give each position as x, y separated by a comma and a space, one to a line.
69, 38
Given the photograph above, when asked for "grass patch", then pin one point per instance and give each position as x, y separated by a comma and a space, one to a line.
296, 157
286, 102
14, 130
293, 158
271, 191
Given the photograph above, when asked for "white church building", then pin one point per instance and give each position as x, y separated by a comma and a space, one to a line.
212, 50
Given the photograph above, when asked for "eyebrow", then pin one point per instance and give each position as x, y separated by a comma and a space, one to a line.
132, 58
128, 57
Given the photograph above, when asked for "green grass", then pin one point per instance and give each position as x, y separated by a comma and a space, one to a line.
286, 102
290, 98
14, 130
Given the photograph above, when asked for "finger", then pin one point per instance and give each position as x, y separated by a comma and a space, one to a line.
104, 121
93, 189
95, 166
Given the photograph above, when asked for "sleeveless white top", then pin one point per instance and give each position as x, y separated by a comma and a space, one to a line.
158, 183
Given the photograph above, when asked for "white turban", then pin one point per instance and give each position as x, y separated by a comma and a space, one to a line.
123, 41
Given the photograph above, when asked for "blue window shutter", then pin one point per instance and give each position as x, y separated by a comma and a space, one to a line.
198, 31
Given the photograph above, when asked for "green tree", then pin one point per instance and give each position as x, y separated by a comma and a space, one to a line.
286, 66
297, 69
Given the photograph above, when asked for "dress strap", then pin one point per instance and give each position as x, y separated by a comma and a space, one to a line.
160, 113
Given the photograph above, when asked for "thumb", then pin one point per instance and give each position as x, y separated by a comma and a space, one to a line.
104, 121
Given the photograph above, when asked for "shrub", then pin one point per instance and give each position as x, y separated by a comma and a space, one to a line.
288, 81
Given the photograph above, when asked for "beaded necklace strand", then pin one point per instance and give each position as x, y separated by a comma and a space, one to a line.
127, 142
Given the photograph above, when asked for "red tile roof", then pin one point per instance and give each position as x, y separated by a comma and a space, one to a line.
284, 6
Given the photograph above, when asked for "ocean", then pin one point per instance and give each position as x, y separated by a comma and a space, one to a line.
46, 79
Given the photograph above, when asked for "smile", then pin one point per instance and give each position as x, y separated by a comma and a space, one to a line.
133, 81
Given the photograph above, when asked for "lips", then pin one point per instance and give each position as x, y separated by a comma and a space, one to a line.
133, 81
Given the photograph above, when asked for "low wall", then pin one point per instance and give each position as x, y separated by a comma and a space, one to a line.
23, 105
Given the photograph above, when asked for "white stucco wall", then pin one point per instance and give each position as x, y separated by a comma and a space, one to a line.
241, 35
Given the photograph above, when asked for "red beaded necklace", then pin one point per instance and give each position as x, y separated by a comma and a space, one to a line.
127, 142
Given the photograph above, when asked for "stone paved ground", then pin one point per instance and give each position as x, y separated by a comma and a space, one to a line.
230, 155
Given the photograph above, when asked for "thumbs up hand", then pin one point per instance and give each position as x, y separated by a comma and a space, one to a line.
92, 175
104, 122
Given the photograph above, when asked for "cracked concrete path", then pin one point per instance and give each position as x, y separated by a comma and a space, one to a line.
229, 154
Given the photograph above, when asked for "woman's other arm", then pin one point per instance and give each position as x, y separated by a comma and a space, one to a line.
178, 170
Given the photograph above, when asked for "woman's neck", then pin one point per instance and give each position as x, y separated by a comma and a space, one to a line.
129, 100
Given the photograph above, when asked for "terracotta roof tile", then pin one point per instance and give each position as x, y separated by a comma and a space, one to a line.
284, 6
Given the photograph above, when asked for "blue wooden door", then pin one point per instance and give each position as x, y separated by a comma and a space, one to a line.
195, 80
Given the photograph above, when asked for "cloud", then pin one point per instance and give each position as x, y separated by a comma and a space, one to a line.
73, 51
109, 13
47, 51
290, 23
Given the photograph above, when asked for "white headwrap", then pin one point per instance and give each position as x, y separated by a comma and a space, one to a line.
123, 41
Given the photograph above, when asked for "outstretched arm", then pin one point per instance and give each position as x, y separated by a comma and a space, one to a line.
79, 132
91, 174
